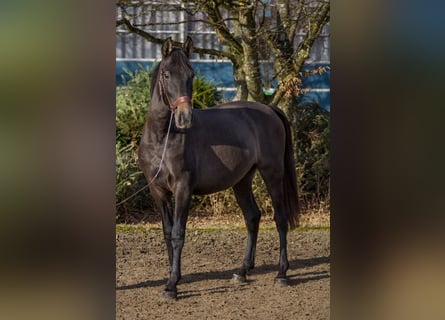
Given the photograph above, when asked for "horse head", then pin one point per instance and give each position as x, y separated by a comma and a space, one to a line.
176, 81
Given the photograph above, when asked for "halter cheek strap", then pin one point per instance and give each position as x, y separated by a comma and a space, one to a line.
174, 105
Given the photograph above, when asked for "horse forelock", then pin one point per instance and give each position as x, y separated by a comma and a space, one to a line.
179, 61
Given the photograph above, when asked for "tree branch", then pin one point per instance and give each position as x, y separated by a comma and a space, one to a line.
317, 21
223, 32
149, 37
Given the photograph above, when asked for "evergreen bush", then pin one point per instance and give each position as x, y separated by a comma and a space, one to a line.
313, 140
132, 100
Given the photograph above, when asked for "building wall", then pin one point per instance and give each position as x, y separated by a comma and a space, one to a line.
132, 52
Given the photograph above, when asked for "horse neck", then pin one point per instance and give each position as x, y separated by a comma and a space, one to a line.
158, 117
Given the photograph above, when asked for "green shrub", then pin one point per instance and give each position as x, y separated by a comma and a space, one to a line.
204, 93
132, 102
130, 179
313, 139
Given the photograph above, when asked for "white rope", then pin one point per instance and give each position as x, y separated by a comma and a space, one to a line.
164, 150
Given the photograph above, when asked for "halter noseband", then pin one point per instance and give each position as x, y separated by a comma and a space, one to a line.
178, 101
182, 99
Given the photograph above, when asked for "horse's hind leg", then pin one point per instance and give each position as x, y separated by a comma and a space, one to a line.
274, 183
252, 215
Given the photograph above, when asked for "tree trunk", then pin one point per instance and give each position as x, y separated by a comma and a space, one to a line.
240, 81
250, 55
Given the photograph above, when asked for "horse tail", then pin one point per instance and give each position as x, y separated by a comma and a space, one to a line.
290, 178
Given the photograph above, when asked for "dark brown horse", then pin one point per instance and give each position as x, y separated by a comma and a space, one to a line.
205, 151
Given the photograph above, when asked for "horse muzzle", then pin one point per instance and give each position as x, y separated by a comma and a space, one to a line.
183, 112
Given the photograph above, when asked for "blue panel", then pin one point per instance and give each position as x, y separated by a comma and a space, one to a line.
132, 66
221, 73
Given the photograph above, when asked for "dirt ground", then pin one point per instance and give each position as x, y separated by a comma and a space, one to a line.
210, 256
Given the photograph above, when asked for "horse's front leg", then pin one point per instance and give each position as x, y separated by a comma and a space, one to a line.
182, 203
162, 199
167, 225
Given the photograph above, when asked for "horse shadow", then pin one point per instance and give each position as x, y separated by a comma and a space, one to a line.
295, 277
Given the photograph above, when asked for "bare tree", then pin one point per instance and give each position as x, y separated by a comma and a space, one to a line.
247, 35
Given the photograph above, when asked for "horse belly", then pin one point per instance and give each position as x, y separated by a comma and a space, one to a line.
222, 168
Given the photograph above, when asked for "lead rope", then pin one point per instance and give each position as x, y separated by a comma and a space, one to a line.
160, 163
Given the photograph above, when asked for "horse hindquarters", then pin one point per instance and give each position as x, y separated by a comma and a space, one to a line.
290, 188
274, 183
280, 180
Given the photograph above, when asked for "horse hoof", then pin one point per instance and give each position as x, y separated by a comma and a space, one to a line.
281, 282
170, 295
238, 279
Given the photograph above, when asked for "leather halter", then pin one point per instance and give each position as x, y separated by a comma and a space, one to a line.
182, 99
173, 106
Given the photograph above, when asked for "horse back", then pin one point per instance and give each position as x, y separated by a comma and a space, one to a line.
227, 141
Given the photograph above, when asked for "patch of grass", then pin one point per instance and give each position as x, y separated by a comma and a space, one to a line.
205, 222
128, 228
203, 230
312, 228
304, 228
135, 228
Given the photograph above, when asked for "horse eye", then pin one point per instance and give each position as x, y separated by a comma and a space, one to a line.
166, 74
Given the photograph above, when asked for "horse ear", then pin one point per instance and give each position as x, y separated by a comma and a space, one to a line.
167, 47
188, 46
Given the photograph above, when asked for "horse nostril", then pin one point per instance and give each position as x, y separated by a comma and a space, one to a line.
183, 119
187, 119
